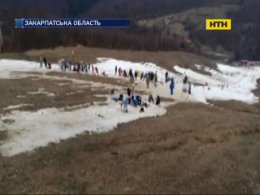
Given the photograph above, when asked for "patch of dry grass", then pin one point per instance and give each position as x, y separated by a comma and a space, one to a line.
214, 150
17, 91
235, 106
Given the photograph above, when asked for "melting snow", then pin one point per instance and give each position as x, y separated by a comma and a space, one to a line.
9, 66
13, 107
228, 83
108, 65
41, 91
36, 129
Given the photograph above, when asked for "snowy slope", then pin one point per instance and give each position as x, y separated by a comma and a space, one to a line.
228, 83
238, 81
35, 129
9, 66
108, 66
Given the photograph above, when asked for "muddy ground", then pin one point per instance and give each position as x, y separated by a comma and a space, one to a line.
194, 148
59, 94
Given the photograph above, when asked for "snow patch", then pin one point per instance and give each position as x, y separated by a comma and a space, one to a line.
229, 83
9, 66
41, 91
13, 107
37, 129
108, 65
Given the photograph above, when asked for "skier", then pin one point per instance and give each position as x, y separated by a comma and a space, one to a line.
116, 70
172, 85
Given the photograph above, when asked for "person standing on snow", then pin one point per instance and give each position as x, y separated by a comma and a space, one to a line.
132, 79
166, 77
172, 85
142, 76
41, 62
93, 69
45, 62
189, 91
158, 100
185, 79
96, 70
150, 99
129, 91
125, 105
116, 70
147, 82
155, 79
136, 74
131, 73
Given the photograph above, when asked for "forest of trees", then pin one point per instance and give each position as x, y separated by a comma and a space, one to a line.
244, 41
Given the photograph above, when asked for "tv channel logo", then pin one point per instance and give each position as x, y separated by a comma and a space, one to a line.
218, 24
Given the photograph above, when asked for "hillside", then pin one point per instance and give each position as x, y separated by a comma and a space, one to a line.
155, 25
63, 131
241, 42
184, 24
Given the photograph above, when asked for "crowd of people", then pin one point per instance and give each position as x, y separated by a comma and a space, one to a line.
78, 67
149, 77
130, 98
66, 65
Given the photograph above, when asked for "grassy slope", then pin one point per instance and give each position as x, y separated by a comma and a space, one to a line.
212, 151
163, 59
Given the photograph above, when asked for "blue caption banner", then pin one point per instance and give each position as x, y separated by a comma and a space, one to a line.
71, 23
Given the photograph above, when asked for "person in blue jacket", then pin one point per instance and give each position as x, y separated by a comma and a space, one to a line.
125, 104
172, 85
